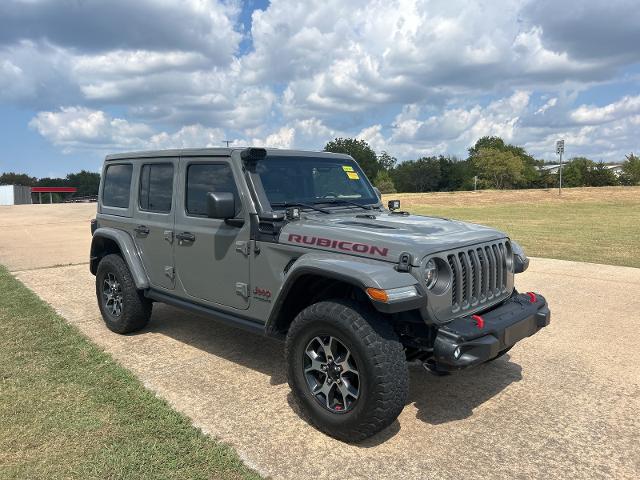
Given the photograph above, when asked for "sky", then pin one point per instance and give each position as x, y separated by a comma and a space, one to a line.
83, 78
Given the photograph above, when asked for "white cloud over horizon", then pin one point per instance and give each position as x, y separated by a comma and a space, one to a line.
413, 77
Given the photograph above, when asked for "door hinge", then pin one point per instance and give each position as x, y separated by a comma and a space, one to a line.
169, 272
168, 235
242, 289
243, 247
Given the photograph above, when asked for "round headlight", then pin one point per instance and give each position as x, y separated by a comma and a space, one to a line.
430, 273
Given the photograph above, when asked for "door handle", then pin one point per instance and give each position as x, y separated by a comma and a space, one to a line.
186, 237
141, 230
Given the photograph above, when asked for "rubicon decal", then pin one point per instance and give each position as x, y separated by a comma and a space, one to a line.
338, 245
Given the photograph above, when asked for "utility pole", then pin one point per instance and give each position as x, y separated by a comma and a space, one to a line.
227, 142
475, 183
560, 151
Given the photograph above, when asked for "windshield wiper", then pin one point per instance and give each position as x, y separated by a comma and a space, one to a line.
298, 204
338, 201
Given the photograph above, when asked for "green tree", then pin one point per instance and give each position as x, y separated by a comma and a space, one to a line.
498, 168
601, 176
359, 150
455, 174
384, 182
576, 172
12, 178
86, 182
422, 175
530, 172
631, 170
386, 161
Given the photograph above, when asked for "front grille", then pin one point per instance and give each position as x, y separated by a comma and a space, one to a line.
479, 274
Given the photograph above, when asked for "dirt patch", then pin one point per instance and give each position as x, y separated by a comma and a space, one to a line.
37, 236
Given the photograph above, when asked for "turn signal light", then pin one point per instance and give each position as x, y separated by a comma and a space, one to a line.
378, 295
393, 294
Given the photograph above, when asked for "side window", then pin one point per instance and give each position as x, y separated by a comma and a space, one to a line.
117, 184
203, 178
156, 187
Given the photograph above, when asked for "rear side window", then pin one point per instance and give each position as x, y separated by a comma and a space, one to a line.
156, 187
204, 178
117, 186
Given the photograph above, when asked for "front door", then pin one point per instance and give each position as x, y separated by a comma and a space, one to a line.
211, 257
152, 226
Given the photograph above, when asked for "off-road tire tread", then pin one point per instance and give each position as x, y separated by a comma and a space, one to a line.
137, 309
391, 378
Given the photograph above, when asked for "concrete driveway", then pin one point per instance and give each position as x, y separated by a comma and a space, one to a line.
563, 403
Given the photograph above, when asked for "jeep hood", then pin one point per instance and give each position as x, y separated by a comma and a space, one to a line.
383, 235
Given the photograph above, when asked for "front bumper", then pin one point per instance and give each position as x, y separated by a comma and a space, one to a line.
468, 341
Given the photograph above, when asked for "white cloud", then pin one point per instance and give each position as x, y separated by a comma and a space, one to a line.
413, 77
589, 114
77, 127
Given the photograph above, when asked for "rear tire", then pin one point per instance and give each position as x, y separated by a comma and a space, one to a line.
357, 360
123, 307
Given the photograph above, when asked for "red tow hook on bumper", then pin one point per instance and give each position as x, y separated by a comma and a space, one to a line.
532, 297
479, 321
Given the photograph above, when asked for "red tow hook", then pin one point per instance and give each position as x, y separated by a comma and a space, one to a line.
479, 321
532, 297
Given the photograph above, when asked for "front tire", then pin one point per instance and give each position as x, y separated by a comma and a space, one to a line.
123, 307
347, 369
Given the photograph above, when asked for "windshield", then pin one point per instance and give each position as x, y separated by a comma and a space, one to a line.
313, 180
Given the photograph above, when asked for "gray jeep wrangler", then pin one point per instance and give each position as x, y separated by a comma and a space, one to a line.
297, 245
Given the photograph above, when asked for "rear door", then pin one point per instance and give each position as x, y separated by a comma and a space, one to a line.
154, 213
212, 257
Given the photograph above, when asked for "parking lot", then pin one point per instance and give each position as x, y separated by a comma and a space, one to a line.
563, 403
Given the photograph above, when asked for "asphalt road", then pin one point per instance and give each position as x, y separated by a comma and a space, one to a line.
563, 403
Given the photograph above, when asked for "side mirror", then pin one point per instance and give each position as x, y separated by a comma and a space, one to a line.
378, 192
394, 205
221, 205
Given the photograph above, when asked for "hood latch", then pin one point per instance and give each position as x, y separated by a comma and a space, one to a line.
404, 264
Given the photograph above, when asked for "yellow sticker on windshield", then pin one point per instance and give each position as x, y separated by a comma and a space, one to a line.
353, 176
347, 168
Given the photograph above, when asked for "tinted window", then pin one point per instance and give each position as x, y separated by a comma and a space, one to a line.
313, 180
156, 187
117, 183
204, 178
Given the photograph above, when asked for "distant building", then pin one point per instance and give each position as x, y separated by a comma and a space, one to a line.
15, 195
616, 169
554, 169
551, 169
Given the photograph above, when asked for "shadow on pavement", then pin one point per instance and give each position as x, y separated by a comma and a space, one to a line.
438, 399
454, 397
262, 354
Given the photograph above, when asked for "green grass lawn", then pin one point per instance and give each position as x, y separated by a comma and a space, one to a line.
606, 231
68, 410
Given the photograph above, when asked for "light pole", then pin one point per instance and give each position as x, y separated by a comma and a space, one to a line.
560, 151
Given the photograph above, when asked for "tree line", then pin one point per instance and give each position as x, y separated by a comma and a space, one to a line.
491, 163
86, 182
